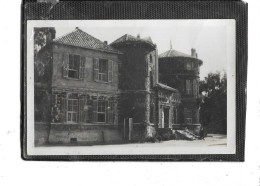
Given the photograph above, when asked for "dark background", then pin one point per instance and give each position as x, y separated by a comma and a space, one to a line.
147, 10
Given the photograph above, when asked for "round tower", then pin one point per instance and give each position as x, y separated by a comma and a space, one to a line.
181, 71
136, 76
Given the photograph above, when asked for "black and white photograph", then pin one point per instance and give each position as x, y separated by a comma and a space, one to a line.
131, 87
129, 93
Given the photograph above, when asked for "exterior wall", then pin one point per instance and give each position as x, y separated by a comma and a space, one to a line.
59, 88
85, 134
87, 82
174, 73
135, 83
87, 86
171, 101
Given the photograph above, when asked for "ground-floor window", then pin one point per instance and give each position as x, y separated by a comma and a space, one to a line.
101, 111
80, 108
72, 110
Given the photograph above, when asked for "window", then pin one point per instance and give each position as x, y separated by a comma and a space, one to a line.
188, 87
72, 110
103, 70
188, 65
74, 64
88, 109
101, 111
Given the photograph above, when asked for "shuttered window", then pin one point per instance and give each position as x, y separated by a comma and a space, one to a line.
77, 108
73, 66
103, 70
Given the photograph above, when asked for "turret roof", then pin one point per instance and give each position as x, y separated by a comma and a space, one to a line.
174, 53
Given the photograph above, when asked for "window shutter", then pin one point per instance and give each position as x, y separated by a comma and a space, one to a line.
110, 70
96, 68
65, 63
64, 109
94, 110
81, 110
194, 87
82, 67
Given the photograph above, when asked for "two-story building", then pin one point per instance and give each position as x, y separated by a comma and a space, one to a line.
90, 89
83, 85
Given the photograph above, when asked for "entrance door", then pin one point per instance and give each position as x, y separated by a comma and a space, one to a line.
165, 117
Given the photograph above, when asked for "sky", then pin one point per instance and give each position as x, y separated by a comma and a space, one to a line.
214, 40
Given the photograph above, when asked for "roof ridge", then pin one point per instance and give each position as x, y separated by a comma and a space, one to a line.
174, 53
64, 35
81, 38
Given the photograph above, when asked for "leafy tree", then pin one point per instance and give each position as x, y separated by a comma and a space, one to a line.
213, 108
41, 36
41, 63
42, 72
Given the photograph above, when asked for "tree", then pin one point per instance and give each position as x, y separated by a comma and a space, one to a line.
42, 36
42, 72
213, 108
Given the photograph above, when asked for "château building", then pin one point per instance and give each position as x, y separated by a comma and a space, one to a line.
90, 89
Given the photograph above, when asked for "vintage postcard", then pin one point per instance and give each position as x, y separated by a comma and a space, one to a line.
131, 87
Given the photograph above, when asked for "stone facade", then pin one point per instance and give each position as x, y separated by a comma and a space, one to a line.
90, 91
181, 71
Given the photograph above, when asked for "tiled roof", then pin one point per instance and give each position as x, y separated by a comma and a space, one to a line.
130, 38
82, 39
174, 53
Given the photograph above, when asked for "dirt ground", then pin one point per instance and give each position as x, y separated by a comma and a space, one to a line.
210, 140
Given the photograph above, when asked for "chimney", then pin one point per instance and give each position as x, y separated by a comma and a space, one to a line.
77, 28
105, 42
196, 55
138, 36
193, 52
